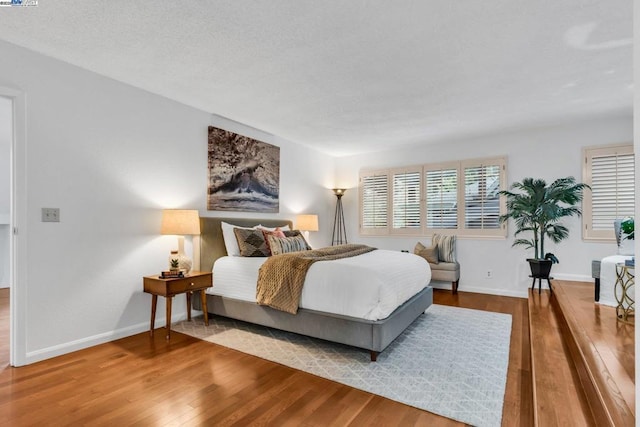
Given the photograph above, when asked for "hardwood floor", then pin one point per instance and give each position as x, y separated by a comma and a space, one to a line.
4, 327
148, 381
554, 374
602, 351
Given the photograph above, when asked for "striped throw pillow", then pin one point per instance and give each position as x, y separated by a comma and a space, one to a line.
446, 247
283, 245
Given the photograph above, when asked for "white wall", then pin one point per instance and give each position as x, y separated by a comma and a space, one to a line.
5, 146
547, 153
111, 157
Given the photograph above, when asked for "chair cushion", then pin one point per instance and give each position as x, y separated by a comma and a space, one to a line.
445, 266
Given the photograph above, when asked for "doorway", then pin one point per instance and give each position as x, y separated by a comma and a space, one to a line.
6, 138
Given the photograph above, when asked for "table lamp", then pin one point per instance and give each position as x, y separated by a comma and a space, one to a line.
307, 223
180, 222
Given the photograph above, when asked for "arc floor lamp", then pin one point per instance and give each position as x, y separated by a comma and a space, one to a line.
339, 235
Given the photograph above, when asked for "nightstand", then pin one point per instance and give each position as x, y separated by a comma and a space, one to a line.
168, 288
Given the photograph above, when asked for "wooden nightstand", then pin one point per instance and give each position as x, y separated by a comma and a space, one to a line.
194, 281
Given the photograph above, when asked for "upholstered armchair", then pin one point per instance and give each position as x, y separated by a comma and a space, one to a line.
441, 256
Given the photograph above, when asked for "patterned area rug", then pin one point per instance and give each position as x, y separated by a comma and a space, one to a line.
450, 361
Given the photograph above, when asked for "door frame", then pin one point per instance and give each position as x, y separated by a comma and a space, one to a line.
17, 227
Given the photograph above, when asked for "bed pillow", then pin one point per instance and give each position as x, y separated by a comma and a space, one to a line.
446, 247
229, 237
276, 233
430, 254
251, 243
282, 227
283, 245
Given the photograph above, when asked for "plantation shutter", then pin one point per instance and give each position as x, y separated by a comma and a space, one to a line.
611, 175
374, 202
406, 200
481, 198
441, 197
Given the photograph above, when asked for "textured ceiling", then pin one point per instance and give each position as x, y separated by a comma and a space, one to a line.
353, 76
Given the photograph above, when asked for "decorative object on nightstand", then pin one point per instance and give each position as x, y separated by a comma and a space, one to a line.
307, 223
180, 222
174, 261
339, 235
169, 287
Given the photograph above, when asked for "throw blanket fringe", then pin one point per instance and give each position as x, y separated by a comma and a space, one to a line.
281, 277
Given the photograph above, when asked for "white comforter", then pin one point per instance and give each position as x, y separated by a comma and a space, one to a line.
369, 286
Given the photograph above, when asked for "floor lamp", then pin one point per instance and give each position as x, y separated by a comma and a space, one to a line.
339, 236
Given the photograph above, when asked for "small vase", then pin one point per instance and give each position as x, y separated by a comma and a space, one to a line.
184, 263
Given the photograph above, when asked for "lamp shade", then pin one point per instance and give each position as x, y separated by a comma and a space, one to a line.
307, 222
180, 222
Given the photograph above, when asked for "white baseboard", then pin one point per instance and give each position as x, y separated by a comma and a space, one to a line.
60, 349
573, 277
491, 291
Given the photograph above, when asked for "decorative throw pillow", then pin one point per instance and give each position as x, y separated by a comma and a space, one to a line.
229, 237
276, 233
446, 247
283, 245
292, 233
251, 243
430, 254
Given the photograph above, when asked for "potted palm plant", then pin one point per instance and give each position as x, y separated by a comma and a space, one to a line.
538, 208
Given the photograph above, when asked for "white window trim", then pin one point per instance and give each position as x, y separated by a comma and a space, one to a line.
588, 153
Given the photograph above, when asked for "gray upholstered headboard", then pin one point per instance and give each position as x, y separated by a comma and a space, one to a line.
211, 240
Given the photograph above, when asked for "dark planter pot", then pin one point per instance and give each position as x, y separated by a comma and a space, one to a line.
540, 268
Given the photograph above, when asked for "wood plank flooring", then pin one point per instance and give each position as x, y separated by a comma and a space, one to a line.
602, 350
148, 381
554, 374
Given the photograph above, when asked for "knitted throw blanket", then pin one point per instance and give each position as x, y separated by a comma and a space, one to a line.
281, 277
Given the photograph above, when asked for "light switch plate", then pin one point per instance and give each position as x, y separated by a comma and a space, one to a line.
50, 215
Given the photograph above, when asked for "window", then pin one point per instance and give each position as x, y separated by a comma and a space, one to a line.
481, 198
374, 200
406, 200
441, 183
610, 173
454, 197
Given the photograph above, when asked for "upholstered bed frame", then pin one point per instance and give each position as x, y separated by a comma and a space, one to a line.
374, 336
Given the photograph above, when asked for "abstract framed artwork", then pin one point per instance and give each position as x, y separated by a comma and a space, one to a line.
244, 173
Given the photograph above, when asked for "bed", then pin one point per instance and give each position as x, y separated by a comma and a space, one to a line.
371, 334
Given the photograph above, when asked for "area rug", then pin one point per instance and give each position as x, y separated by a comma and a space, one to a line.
450, 361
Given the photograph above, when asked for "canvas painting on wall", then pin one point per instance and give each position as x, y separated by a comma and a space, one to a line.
244, 173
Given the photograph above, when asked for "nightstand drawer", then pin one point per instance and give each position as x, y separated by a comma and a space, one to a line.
188, 284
